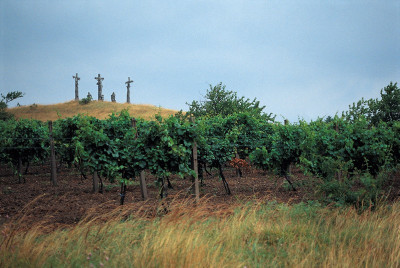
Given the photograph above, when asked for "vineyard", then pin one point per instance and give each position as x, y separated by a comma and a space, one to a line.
350, 162
80, 172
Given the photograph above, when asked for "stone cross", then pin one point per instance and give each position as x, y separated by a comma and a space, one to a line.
113, 97
100, 87
128, 92
76, 86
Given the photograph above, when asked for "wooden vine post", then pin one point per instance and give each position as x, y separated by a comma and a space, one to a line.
196, 169
143, 187
53, 173
142, 178
95, 182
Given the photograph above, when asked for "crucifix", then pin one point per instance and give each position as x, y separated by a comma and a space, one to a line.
100, 87
76, 86
128, 92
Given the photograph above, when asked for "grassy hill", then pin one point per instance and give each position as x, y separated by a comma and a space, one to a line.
99, 109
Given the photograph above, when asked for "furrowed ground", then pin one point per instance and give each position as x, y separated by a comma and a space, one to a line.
67, 203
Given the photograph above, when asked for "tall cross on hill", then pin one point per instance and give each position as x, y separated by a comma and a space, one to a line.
76, 86
128, 92
100, 87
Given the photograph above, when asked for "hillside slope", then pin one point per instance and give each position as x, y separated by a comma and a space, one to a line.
97, 109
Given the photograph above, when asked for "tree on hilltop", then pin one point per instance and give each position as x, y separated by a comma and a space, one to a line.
219, 101
5, 99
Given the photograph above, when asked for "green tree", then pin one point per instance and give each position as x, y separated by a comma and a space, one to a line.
5, 99
357, 111
386, 109
219, 101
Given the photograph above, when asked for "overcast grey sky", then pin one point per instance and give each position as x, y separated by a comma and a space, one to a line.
302, 59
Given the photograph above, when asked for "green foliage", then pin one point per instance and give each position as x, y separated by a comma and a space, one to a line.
92, 146
338, 192
350, 157
5, 99
251, 131
279, 150
86, 100
386, 109
10, 96
25, 140
64, 131
344, 146
117, 150
217, 143
362, 190
358, 111
347, 155
395, 146
336, 152
260, 157
168, 147
323, 151
219, 101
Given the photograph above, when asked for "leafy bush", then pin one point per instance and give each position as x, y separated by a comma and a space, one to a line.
86, 100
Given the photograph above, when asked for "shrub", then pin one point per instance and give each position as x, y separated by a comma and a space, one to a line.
86, 100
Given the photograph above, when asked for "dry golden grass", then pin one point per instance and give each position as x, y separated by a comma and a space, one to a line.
99, 109
248, 235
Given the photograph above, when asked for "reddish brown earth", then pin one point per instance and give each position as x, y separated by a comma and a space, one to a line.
68, 202
72, 199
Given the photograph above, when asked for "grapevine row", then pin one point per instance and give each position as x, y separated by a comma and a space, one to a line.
120, 148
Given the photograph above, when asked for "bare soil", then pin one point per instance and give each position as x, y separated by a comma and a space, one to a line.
66, 204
